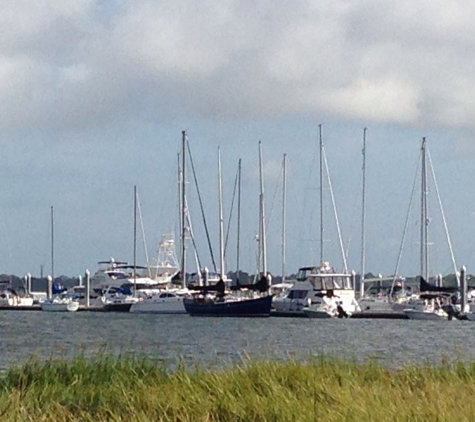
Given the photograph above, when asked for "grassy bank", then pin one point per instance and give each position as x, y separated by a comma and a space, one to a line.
137, 389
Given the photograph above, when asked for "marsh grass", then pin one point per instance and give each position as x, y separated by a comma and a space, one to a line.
136, 388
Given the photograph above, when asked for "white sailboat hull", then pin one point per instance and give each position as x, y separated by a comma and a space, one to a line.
433, 316
159, 306
65, 306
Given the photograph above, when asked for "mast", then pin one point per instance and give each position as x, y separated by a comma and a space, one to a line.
183, 205
424, 221
321, 190
238, 221
180, 206
135, 240
221, 220
284, 203
52, 242
262, 216
363, 217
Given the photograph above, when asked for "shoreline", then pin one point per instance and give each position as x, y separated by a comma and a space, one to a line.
134, 387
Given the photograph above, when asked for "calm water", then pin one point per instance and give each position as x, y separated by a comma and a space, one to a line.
224, 340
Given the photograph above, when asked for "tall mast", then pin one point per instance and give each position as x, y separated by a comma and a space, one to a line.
262, 216
221, 219
424, 257
135, 239
183, 212
321, 190
284, 203
180, 205
52, 242
363, 217
238, 221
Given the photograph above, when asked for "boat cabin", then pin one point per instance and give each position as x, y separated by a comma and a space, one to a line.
324, 277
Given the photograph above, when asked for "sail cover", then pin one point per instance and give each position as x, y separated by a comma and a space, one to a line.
425, 286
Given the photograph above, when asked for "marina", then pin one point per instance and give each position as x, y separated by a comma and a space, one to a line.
237, 211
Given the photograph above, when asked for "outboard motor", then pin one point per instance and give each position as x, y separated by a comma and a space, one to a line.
452, 311
341, 312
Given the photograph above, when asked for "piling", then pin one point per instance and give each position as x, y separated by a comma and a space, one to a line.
463, 288
87, 276
353, 280
26, 284
49, 287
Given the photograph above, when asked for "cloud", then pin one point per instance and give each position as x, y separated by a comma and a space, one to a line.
70, 65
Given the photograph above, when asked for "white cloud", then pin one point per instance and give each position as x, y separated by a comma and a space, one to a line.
71, 64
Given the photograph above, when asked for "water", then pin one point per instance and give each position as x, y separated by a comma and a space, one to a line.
219, 341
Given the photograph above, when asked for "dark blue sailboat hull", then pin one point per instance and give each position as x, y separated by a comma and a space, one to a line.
259, 307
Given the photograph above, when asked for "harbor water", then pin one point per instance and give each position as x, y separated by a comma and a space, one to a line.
220, 341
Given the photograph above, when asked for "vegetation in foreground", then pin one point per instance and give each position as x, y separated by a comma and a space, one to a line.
131, 388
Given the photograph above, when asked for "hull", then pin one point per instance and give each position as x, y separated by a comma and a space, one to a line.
60, 306
165, 307
412, 314
311, 313
117, 307
259, 307
375, 305
16, 301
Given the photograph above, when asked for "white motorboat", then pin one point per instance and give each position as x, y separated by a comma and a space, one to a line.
112, 276
166, 266
319, 290
165, 302
60, 304
9, 297
332, 306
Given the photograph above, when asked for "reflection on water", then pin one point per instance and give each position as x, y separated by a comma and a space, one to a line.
224, 340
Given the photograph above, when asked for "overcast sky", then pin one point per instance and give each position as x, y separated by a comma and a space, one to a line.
94, 96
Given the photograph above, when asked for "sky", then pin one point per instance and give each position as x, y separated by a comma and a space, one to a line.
94, 96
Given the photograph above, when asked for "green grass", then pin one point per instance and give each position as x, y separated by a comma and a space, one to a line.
135, 388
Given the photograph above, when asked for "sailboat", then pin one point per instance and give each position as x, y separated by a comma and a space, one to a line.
435, 300
320, 291
57, 302
123, 299
257, 301
373, 305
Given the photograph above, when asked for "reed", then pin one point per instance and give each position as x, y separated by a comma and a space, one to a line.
136, 388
